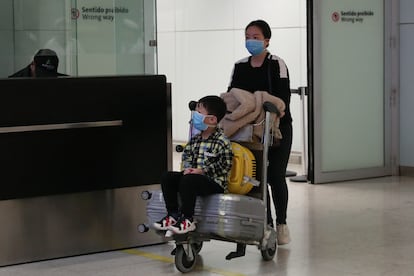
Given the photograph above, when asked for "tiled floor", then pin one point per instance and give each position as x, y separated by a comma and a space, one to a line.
363, 227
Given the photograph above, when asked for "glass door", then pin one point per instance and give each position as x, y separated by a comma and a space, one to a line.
351, 90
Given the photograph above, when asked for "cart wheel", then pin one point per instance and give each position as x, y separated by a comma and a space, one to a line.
269, 253
196, 246
182, 263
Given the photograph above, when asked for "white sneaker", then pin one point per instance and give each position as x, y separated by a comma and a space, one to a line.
169, 233
164, 223
283, 236
182, 226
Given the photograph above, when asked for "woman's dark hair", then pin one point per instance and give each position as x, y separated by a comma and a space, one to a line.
262, 25
214, 106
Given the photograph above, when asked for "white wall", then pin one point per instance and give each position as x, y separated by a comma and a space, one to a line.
199, 41
406, 83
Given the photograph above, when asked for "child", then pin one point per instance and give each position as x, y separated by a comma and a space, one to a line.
207, 160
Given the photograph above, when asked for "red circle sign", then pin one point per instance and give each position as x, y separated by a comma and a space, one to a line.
335, 16
75, 13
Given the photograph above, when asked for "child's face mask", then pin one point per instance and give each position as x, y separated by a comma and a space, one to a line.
198, 121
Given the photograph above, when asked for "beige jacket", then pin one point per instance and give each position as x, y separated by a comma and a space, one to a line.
247, 109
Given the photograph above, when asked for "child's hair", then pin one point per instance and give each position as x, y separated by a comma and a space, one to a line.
214, 106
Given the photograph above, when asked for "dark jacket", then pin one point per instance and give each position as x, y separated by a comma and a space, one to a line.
40, 73
272, 76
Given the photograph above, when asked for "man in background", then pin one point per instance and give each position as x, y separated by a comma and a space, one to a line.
45, 64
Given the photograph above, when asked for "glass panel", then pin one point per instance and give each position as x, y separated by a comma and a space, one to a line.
91, 37
110, 36
352, 84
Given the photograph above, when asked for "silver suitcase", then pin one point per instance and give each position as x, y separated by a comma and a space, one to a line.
228, 216
232, 216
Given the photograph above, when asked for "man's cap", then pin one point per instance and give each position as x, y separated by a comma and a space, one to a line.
46, 60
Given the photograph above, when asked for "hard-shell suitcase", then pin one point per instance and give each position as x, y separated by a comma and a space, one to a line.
155, 207
229, 216
232, 216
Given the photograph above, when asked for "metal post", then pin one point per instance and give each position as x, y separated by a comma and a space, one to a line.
304, 177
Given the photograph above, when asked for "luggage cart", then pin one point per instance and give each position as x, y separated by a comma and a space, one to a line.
240, 219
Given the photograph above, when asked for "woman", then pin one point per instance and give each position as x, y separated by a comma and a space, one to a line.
263, 71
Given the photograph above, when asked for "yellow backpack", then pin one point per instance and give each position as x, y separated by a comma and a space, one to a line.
243, 170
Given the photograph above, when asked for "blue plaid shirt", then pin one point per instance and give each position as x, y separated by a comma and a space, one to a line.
213, 155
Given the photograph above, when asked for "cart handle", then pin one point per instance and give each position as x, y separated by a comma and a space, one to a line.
270, 107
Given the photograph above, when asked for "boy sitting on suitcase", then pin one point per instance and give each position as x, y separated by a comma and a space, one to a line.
206, 159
